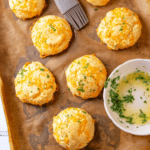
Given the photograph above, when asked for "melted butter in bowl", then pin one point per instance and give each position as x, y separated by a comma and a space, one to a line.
127, 96
136, 85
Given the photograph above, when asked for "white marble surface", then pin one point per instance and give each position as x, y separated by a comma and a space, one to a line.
4, 144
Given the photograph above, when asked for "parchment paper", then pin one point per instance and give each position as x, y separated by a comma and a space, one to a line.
29, 125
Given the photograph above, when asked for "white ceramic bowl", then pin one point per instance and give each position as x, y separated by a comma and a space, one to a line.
125, 69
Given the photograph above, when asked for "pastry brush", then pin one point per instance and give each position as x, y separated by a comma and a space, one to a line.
73, 12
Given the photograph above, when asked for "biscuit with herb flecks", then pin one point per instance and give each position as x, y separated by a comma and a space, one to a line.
86, 76
51, 35
35, 84
27, 8
73, 128
121, 28
98, 2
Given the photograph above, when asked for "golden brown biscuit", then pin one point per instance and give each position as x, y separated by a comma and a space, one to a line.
120, 29
35, 84
98, 2
73, 128
27, 8
86, 76
51, 35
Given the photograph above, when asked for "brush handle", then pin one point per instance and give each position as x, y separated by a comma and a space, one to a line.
65, 5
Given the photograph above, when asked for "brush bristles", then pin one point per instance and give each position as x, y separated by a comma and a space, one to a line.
77, 17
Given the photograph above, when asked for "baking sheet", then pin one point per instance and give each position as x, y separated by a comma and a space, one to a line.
30, 126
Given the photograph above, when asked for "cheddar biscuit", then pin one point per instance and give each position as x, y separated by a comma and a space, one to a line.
73, 128
27, 8
98, 2
51, 35
86, 76
120, 29
35, 84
